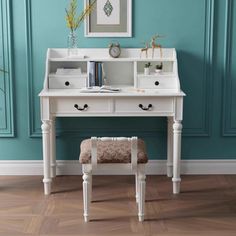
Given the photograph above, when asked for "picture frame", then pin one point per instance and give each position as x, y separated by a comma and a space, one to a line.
110, 18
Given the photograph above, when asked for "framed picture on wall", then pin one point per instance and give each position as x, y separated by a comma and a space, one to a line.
109, 18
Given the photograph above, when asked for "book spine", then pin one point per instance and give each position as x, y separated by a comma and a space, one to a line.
91, 70
104, 80
96, 74
100, 82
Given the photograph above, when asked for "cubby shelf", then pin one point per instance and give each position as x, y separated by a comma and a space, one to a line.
125, 71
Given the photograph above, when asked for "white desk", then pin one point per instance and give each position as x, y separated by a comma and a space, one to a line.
153, 95
128, 102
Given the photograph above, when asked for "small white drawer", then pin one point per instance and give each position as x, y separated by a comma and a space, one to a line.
80, 106
67, 82
156, 82
144, 105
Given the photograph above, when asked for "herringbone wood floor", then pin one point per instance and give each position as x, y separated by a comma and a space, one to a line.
206, 206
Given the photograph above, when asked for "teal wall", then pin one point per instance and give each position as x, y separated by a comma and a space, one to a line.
202, 31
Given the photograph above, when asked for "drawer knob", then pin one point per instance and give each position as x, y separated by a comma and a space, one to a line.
76, 106
145, 108
157, 83
67, 83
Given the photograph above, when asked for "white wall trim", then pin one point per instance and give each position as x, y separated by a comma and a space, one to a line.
154, 167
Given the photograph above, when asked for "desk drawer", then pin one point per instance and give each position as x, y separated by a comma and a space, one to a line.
81, 106
156, 82
144, 105
63, 82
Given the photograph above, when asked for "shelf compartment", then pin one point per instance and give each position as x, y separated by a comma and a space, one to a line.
54, 65
119, 73
168, 66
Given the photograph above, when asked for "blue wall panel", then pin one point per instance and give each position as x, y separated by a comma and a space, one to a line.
6, 98
204, 35
229, 99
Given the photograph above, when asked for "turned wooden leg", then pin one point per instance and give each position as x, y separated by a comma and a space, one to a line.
86, 194
91, 187
46, 156
141, 198
136, 186
177, 128
53, 149
170, 147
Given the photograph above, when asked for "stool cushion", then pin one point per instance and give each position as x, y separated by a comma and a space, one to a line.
112, 152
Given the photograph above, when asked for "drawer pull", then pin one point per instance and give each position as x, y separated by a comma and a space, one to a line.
76, 106
157, 83
67, 83
145, 108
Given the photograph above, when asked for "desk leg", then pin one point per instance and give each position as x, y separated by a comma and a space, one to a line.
177, 128
52, 148
46, 156
170, 147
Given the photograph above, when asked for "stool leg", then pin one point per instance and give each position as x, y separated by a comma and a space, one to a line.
142, 186
91, 187
136, 186
86, 194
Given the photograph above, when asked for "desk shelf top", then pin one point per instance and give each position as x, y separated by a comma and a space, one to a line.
102, 54
126, 72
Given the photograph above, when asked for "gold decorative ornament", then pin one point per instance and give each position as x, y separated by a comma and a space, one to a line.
155, 45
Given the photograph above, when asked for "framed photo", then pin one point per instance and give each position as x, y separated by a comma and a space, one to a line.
109, 18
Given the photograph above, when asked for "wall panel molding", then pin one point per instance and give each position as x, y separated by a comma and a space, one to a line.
204, 131
227, 109
6, 79
29, 60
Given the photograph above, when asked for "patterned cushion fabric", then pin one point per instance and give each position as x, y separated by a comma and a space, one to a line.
112, 152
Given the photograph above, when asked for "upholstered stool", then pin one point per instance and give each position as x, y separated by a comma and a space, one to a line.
113, 153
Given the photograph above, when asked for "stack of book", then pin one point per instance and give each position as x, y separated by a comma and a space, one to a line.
68, 71
95, 74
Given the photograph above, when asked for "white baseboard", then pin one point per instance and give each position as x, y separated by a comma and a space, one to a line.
154, 167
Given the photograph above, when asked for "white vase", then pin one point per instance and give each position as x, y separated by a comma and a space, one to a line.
146, 71
158, 71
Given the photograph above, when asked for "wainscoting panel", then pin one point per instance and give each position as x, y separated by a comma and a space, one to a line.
201, 73
229, 98
6, 80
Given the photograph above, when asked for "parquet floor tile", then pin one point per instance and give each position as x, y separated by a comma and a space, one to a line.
205, 207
